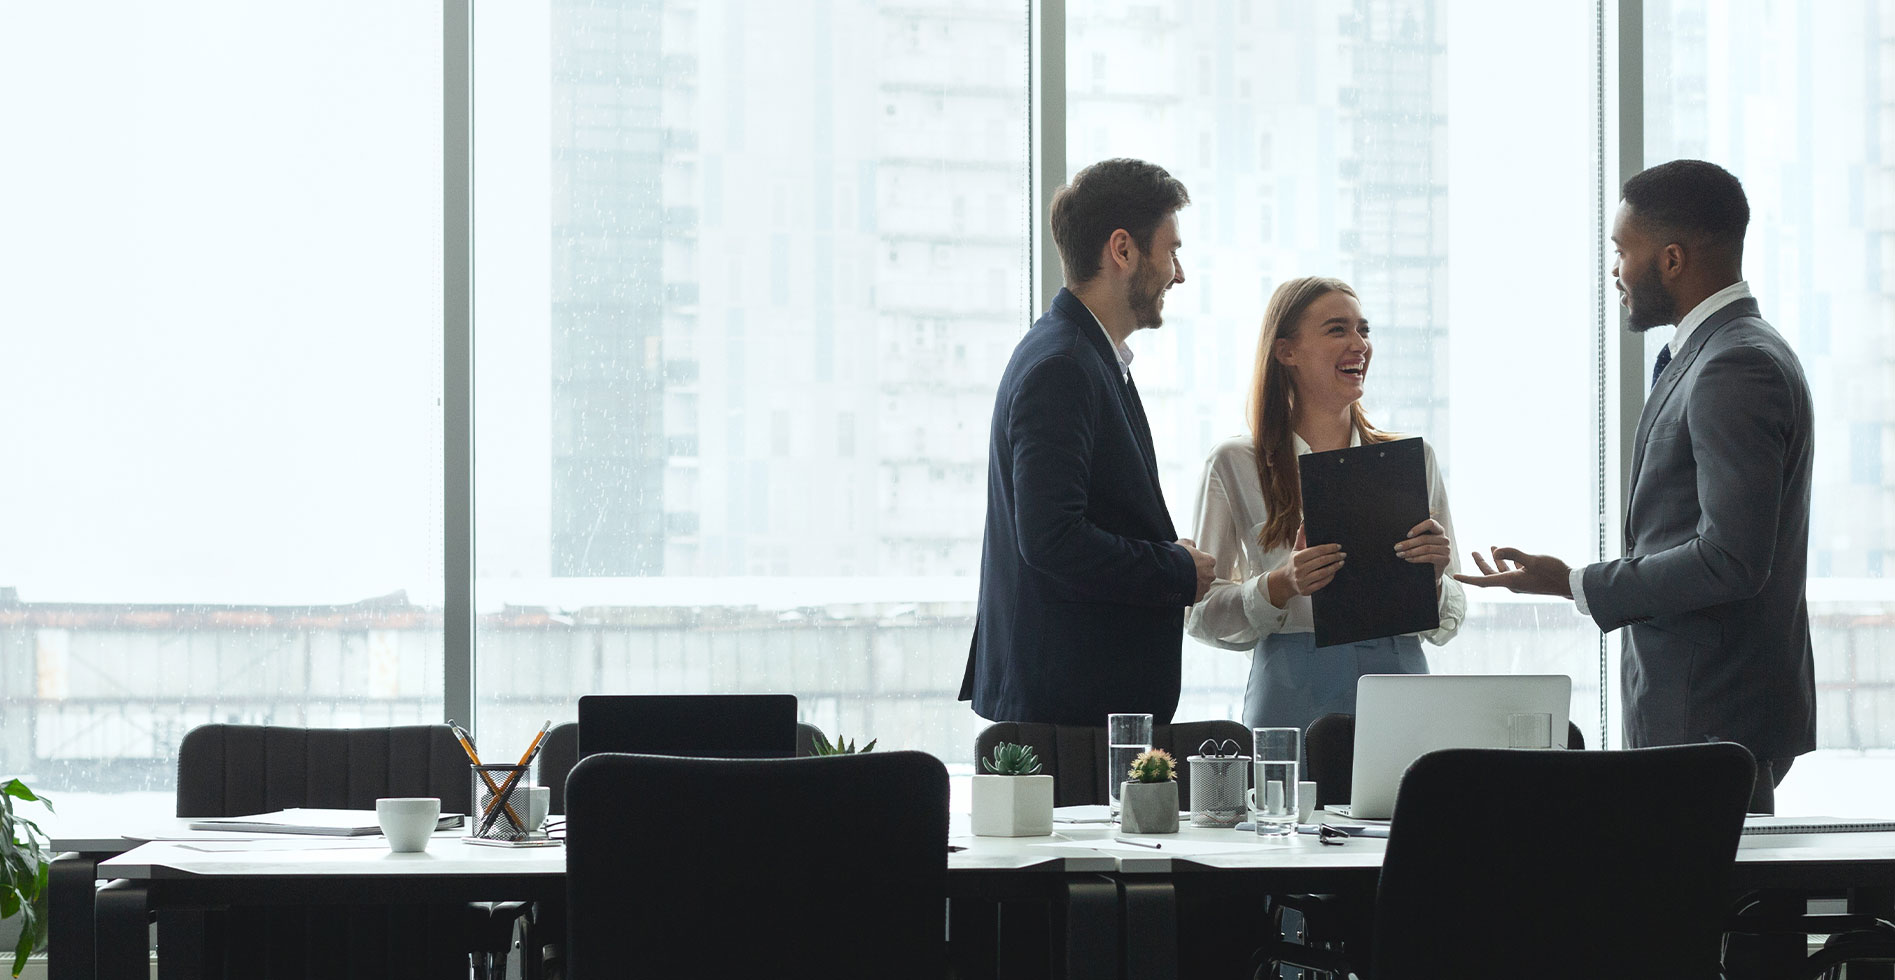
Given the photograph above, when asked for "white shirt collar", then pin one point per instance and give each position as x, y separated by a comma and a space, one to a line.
1702, 312
1302, 448
1124, 352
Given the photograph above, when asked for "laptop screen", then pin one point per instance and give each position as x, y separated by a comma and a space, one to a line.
1399, 717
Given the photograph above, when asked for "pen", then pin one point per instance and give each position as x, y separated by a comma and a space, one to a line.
513, 777
467, 746
1138, 843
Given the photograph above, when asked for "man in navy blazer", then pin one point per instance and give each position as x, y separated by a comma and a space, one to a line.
1711, 588
1083, 586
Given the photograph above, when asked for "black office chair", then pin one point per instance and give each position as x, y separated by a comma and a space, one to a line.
1075, 755
1509, 863
832, 867
723, 726
561, 753
232, 770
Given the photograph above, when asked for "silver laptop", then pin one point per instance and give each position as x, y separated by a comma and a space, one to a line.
1398, 717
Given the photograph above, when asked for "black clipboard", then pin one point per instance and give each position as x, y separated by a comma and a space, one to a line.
1366, 498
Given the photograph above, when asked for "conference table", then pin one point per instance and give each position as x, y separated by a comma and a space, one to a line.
1116, 908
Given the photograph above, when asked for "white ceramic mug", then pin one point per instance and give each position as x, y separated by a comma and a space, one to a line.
538, 800
408, 821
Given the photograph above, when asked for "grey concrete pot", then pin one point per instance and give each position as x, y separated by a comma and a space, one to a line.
1148, 808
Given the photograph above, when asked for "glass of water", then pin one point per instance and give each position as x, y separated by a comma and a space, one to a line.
1276, 771
1125, 737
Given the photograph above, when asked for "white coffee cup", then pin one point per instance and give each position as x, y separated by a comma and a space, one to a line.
408, 821
538, 800
1305, 800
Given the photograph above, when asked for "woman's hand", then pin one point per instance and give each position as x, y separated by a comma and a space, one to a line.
1305, 571
1427, 542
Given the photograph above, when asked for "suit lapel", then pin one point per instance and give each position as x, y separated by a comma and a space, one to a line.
1131, 408
1668, 383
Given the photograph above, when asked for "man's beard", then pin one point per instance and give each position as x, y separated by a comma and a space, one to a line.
1145, 311
1652, 304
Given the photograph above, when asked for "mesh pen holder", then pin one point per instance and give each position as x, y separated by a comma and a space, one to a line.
500, 809
1219, 776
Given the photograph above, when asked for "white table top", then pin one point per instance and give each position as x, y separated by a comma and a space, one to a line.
172, 848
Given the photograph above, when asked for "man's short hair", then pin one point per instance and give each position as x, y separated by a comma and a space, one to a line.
1697, 203
1109, 195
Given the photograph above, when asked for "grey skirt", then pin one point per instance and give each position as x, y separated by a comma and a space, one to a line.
1292, 683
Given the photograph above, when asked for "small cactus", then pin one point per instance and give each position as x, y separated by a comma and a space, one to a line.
1153, 766
1010, 759
841, 746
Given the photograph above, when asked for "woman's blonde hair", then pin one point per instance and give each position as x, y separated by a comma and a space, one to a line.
1273, 404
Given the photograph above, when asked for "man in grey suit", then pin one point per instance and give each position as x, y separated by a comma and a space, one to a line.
1711, 588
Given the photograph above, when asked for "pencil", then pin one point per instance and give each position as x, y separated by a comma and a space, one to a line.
467, 746
513, 777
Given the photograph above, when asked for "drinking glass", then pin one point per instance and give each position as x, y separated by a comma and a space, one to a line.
1278, 765
1126, 736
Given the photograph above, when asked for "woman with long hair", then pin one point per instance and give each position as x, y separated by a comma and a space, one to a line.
1305, 396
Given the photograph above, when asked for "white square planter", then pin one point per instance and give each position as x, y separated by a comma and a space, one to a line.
1013, 806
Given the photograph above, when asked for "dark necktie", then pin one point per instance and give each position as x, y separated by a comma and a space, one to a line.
1658, 368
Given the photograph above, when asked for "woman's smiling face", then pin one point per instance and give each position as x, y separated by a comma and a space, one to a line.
1328, 359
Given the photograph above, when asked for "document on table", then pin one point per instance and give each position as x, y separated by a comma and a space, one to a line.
300, 844
1367, 498
305, 820
1083, 813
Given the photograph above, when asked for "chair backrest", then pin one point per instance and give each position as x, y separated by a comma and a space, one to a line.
1329, 755
561, 753
822, 867
558, 755
232, 770
724, 726
1075, 755
1549, 863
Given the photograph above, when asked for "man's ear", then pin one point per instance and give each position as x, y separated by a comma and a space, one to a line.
1671, 261
1121, 251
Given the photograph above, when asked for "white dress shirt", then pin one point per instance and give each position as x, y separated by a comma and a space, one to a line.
1123, 351
1236, 613
1740, 289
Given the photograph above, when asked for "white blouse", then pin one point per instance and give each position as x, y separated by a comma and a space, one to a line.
1231, 513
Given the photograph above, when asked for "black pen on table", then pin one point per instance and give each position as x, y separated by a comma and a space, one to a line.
513, 777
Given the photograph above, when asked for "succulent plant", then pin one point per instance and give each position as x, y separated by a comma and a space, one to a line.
841, 746
1153, 766
1010, 759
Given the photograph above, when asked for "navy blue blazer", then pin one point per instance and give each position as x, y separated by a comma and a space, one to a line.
1082, 588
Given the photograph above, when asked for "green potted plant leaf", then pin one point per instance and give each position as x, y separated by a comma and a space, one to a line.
822, 746
1148, 801
26, 866
1012, 798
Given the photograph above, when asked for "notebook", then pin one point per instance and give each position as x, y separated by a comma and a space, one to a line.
300, 820
1399, 717
1760, 824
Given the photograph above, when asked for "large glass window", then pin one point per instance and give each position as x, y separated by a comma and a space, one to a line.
1795, 99
747, 275
1367, 140
220, 307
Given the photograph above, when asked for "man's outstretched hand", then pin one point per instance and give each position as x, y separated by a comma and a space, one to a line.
1520, 572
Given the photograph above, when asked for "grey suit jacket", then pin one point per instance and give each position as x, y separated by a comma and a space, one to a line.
1717, 546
